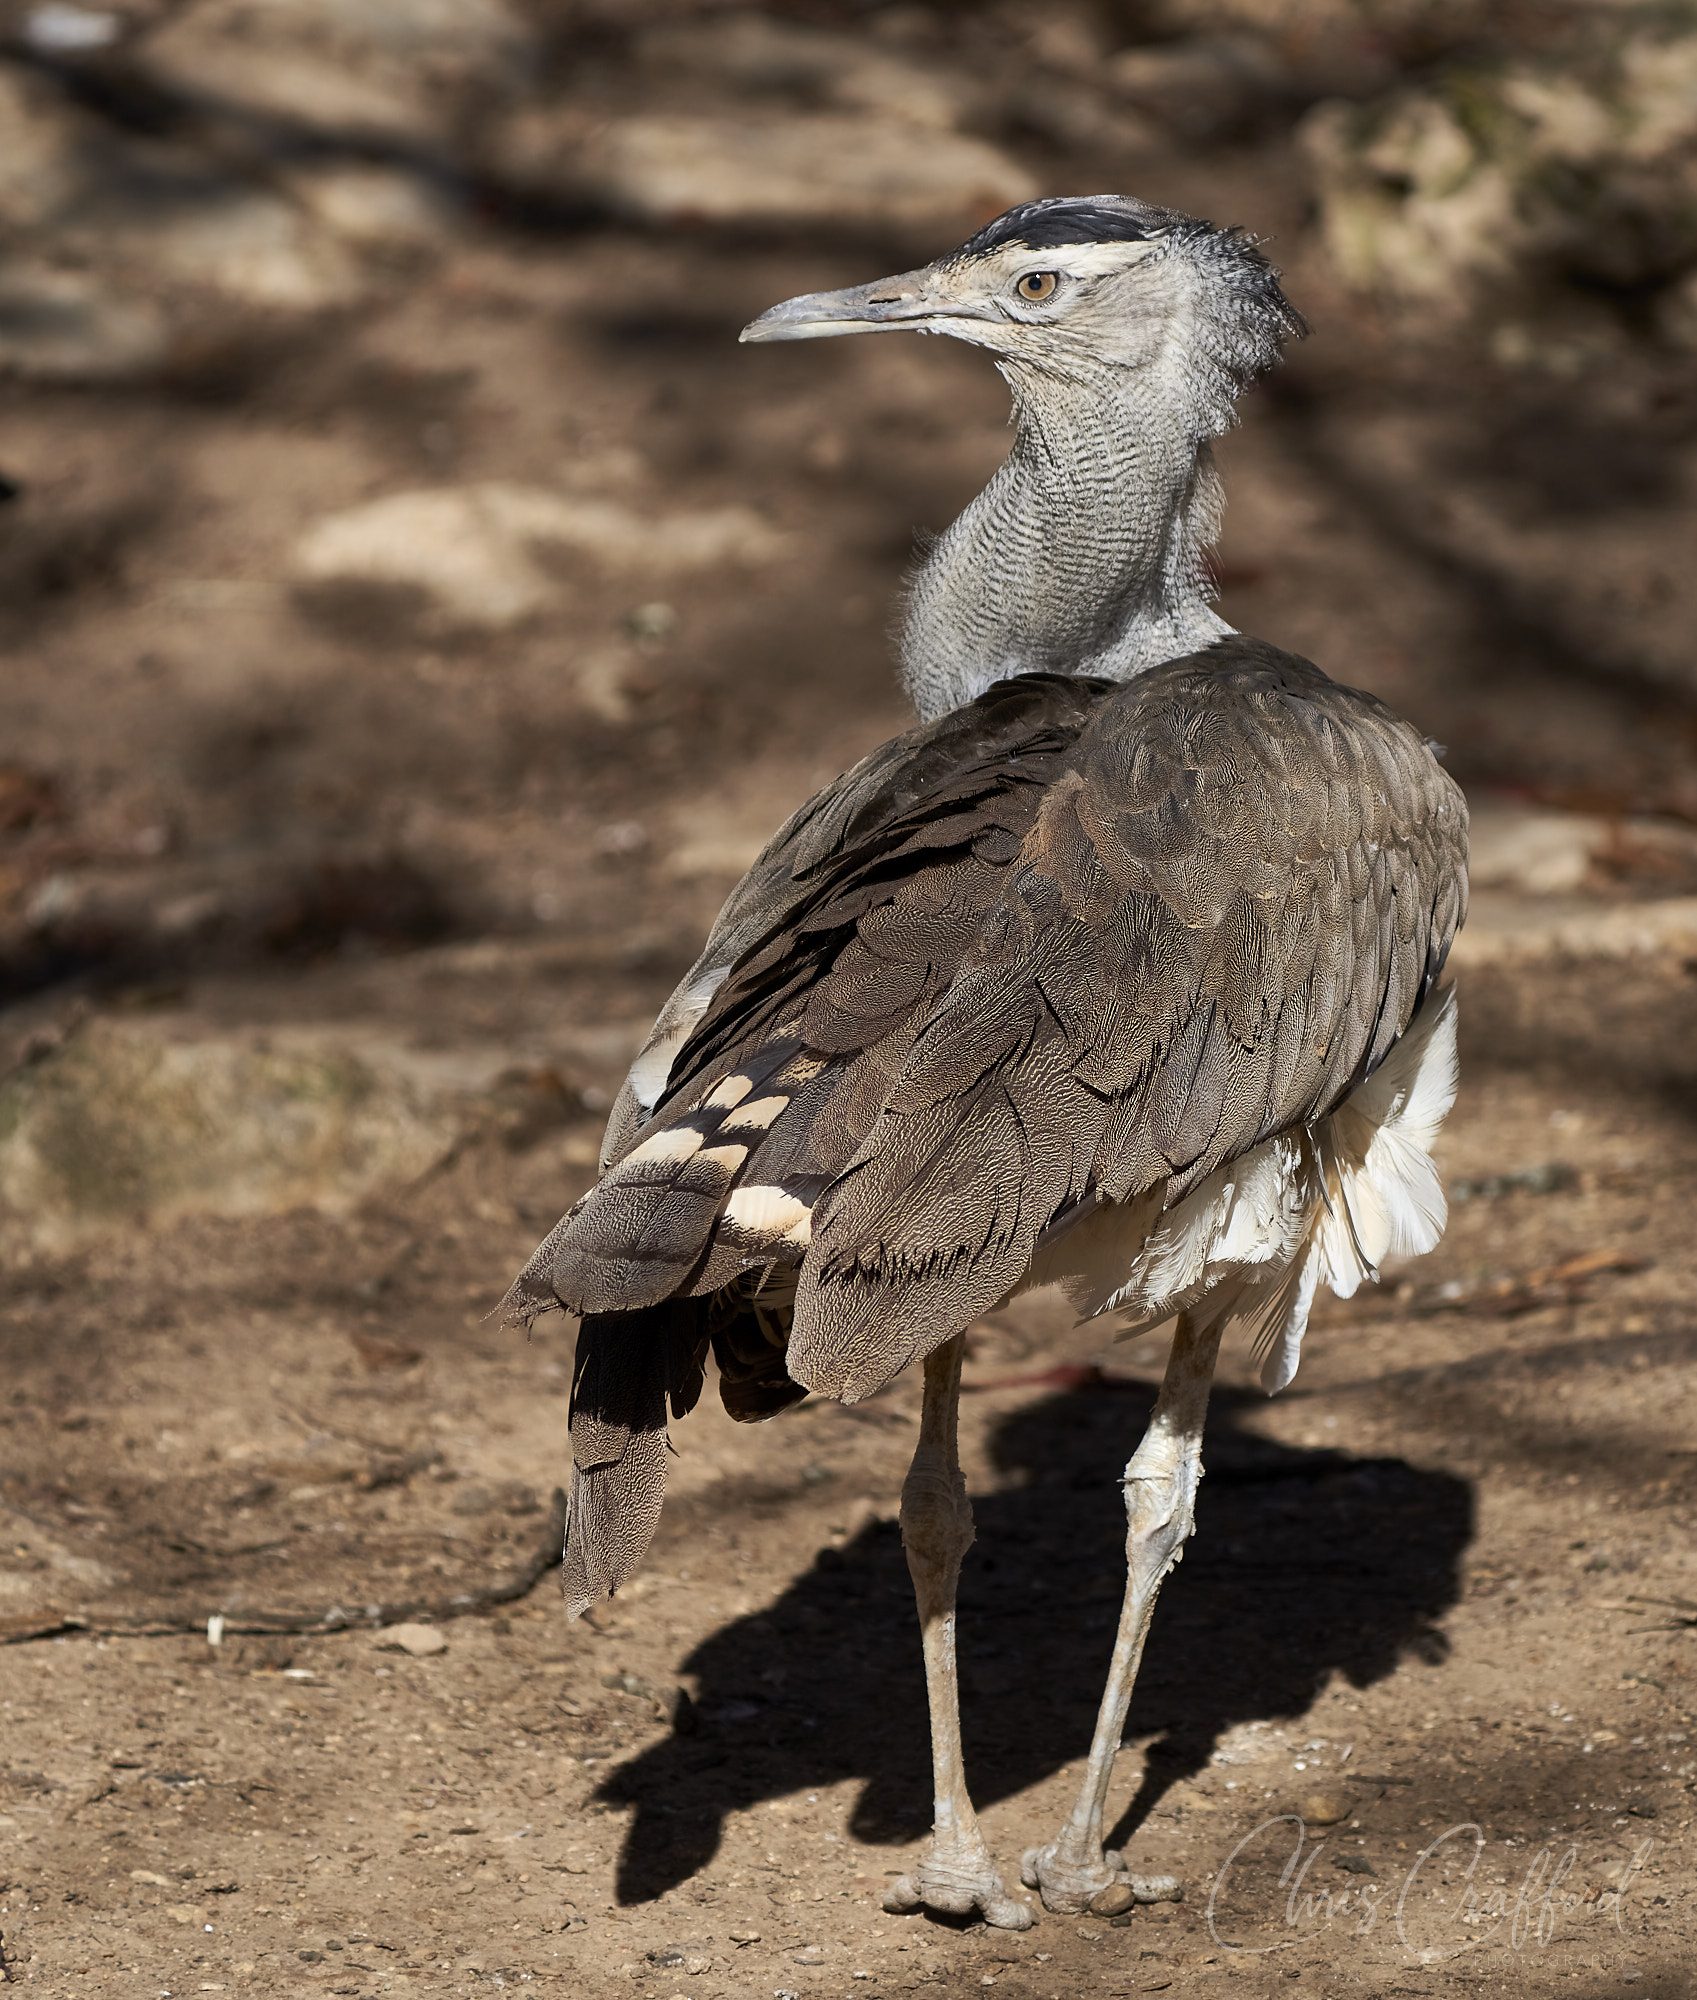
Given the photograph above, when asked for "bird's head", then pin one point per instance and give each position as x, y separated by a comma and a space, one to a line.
1070, 287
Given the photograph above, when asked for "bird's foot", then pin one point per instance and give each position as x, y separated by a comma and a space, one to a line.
1071, 1882
959, 1884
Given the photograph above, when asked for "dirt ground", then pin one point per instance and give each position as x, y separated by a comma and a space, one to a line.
1441, 1606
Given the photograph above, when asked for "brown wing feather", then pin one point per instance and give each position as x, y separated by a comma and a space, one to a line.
852, 819
845, 957
1224, 915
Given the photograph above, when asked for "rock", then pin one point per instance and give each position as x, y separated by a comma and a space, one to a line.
37, 1559
1405, 206
1326, 1807
151, 1880
68, 326
1112, 1901
787, 169
1548, 853
38, 155
393, 69
185, 1913
1205, 85
421, 1642
152, 216
454, 559
1505, 929
174, 223
1480, 188
373, 207
29, 797
758, 54
477, 557
57, 28
1551, 853
125, 1123
1676, 313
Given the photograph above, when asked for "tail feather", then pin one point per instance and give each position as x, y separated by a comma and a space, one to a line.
633, 1368
686, 1209
630, 1368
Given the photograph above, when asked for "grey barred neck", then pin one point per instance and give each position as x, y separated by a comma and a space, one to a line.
1087, 553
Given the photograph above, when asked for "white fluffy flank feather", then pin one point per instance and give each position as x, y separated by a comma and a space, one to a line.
1244, 1218
1255, 1240
1380, 1191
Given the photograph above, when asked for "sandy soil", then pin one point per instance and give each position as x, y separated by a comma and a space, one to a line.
1442, 1579
1443, 1594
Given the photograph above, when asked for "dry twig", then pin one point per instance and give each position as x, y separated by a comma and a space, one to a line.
518, 1582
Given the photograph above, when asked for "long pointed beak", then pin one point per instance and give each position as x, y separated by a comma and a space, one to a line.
892, 305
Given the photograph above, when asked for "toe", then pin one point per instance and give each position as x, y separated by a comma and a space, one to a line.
1072, 1884
902, 1897
948, 1891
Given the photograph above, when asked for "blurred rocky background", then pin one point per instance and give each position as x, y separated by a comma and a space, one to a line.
415, 610
396, 550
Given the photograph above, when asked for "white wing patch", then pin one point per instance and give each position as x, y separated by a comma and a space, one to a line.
653, 1065
766, 1215
670, 1146
755, 1117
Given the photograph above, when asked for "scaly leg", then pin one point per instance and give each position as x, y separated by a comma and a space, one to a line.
956, 1876
1160, 1501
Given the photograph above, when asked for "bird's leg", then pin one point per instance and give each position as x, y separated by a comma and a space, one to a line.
956, 1875
1160, 1500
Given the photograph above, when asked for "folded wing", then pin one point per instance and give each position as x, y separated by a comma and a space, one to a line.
1054, 960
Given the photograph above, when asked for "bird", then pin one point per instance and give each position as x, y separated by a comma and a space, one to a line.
1121, 970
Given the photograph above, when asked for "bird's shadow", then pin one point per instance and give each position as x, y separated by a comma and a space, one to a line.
1305, 1564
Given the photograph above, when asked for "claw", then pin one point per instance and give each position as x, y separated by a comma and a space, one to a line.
1144, 1888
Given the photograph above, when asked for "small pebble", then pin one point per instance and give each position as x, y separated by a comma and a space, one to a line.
1325, 1808
1112, 1900
423, 1642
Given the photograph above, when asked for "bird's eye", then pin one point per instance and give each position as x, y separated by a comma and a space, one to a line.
1037, 285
